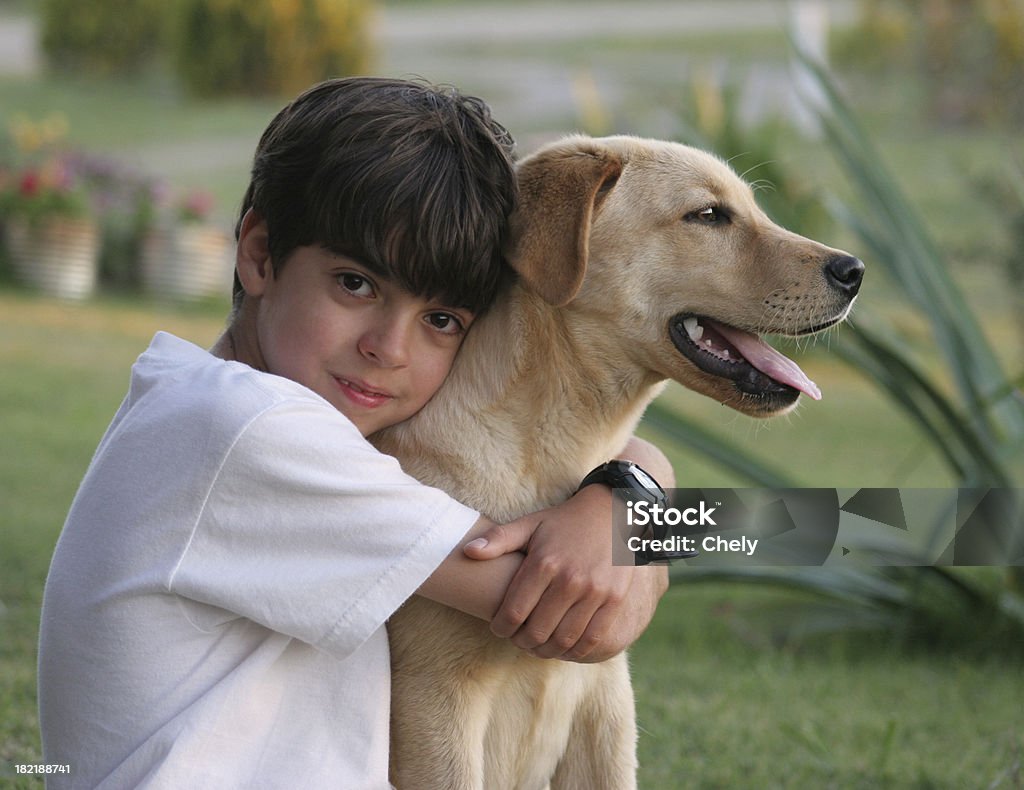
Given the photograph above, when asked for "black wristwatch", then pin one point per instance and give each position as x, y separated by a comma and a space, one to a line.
640, 485
626, 474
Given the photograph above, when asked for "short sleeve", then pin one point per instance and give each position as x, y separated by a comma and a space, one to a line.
310, 531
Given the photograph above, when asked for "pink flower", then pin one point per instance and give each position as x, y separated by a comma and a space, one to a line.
29, 184
196, 206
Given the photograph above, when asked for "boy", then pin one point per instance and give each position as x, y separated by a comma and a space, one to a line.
214, 614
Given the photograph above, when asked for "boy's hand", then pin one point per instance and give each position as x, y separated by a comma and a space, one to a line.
568, 600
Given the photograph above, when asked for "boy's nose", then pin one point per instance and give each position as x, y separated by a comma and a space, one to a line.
386, 344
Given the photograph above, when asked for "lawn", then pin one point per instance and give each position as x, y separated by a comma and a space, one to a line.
720, 703
720, 706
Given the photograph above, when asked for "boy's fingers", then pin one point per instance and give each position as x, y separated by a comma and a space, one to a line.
592, 646
552, 632
521, 598
502, 539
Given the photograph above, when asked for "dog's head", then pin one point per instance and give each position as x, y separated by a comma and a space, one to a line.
667, 244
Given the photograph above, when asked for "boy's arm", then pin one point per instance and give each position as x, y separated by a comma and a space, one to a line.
564, 599
470, 586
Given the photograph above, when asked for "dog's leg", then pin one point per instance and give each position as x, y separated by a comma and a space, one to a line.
436, 742
601, 754
440, 708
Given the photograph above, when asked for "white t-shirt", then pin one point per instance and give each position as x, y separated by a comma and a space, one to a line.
214, 612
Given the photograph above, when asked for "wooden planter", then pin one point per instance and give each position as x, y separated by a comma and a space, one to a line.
59, 255
188, 262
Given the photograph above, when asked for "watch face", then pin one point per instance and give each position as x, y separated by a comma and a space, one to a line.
643, 478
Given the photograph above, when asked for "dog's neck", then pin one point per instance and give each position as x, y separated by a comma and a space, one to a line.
530, 398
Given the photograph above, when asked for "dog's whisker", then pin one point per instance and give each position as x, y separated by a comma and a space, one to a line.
752, 169
734, 157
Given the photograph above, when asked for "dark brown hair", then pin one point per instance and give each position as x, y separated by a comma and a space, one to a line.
413, 181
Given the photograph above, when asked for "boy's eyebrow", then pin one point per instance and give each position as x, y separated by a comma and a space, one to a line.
337, 252
358, 260
464, 310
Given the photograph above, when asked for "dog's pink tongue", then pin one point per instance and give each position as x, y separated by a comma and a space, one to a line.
766, 359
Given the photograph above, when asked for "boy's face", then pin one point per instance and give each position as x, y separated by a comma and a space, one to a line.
373, 350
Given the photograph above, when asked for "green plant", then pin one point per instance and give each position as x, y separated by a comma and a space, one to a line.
126, 203
963, 402
970, 610
969, 55
979, 426
101, 36
1004, 193
259, 47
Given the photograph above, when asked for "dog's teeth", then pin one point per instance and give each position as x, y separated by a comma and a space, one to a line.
693, 328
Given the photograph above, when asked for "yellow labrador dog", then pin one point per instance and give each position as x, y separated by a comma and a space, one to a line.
639, 261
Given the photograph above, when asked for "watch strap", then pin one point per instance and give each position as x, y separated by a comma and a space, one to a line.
629, 476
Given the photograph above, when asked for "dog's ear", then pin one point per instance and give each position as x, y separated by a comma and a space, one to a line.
559, 189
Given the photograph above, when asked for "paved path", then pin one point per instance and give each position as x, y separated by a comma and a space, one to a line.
532, 21
537, 86
18, 52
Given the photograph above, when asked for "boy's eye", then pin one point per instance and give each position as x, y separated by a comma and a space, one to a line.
355, 284
445, 323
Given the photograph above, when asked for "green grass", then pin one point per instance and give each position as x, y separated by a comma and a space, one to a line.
720, 704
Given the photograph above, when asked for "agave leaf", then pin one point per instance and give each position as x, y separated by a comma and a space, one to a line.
978, 429
853, 584
975, 460
902, 388
689, 433
914, 259
1011, 605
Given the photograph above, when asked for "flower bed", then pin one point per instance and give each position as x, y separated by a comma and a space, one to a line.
75, 222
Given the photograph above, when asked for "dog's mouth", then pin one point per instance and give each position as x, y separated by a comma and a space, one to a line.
741, 357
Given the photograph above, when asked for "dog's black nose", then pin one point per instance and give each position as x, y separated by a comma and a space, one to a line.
845, 272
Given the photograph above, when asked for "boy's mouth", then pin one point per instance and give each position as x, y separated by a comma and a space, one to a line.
362, 393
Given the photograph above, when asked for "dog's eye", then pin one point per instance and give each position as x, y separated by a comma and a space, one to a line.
709, 215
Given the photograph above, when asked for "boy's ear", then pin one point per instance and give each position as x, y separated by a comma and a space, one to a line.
252, 256
549, 232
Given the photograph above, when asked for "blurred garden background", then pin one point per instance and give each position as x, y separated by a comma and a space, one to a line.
890, 128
